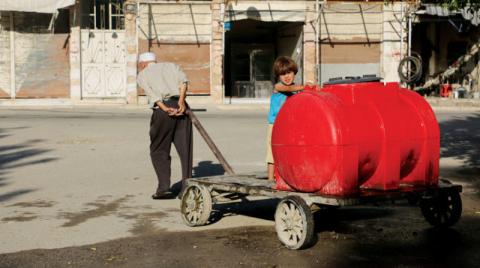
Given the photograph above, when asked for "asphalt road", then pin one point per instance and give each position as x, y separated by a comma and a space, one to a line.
75, 189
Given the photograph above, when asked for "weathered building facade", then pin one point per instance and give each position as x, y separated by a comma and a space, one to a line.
34, 55
227, 48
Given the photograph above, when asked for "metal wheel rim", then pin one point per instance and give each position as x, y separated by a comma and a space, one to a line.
193, 206
290, 224
443, 211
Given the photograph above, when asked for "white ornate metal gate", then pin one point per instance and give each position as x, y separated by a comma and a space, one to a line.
103, 63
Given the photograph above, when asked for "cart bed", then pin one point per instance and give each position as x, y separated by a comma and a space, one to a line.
257, 184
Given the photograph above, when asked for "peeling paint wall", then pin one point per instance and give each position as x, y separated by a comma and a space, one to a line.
193, 59
179, 33
41, 58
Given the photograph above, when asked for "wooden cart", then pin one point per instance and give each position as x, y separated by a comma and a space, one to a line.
441, 206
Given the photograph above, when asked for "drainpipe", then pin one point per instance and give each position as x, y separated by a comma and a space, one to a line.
409, 35
317, 36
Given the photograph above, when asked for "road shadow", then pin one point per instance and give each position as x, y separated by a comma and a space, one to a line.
412, 246
203, 169
326, 219
15, 156
207, 168
460, 139
376, 236
260, 209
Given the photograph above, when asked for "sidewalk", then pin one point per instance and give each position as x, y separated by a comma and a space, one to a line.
453, 104
63, 104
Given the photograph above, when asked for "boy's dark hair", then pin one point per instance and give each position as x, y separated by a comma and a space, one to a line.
283, 65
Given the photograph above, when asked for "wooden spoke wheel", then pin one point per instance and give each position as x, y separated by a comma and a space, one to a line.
196, 205
442, 210
294, 223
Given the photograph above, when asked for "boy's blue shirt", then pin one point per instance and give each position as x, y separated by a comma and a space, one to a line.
276, 101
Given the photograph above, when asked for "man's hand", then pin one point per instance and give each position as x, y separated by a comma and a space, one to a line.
166, 109
181, 108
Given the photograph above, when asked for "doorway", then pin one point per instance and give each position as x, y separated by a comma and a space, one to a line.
251, 48
103, 49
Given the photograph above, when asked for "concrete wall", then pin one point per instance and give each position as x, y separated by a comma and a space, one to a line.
41, 57
179, 33
217, 52
5, 55
41, 66
194, 60
393, 49
131, 45
74, 51
350, 35
175, 22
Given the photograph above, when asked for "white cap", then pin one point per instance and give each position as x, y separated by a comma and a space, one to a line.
147, 56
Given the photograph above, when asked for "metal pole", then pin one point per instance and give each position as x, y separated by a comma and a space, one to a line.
13, 91
409, 35
317, 36
110, 15
228, 169
409, 66
401, 31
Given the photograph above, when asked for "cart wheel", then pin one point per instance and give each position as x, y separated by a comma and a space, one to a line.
294, 223
196, 205
443, 210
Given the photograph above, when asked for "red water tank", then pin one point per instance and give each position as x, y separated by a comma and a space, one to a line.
351, 136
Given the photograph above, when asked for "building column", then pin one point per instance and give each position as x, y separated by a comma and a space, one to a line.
131, 44
309, 48
216, 58
393, 48
75, 58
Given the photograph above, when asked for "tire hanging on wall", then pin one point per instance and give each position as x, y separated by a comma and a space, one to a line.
410, 69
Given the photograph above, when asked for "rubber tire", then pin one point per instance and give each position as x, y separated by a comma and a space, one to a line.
202, 198
443, 210
417, 66
307, 223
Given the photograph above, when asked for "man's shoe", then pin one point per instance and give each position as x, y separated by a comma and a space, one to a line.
163, 195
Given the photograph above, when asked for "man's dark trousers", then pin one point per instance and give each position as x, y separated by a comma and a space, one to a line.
165, 130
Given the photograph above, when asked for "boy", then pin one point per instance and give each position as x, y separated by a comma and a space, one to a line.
285, 70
